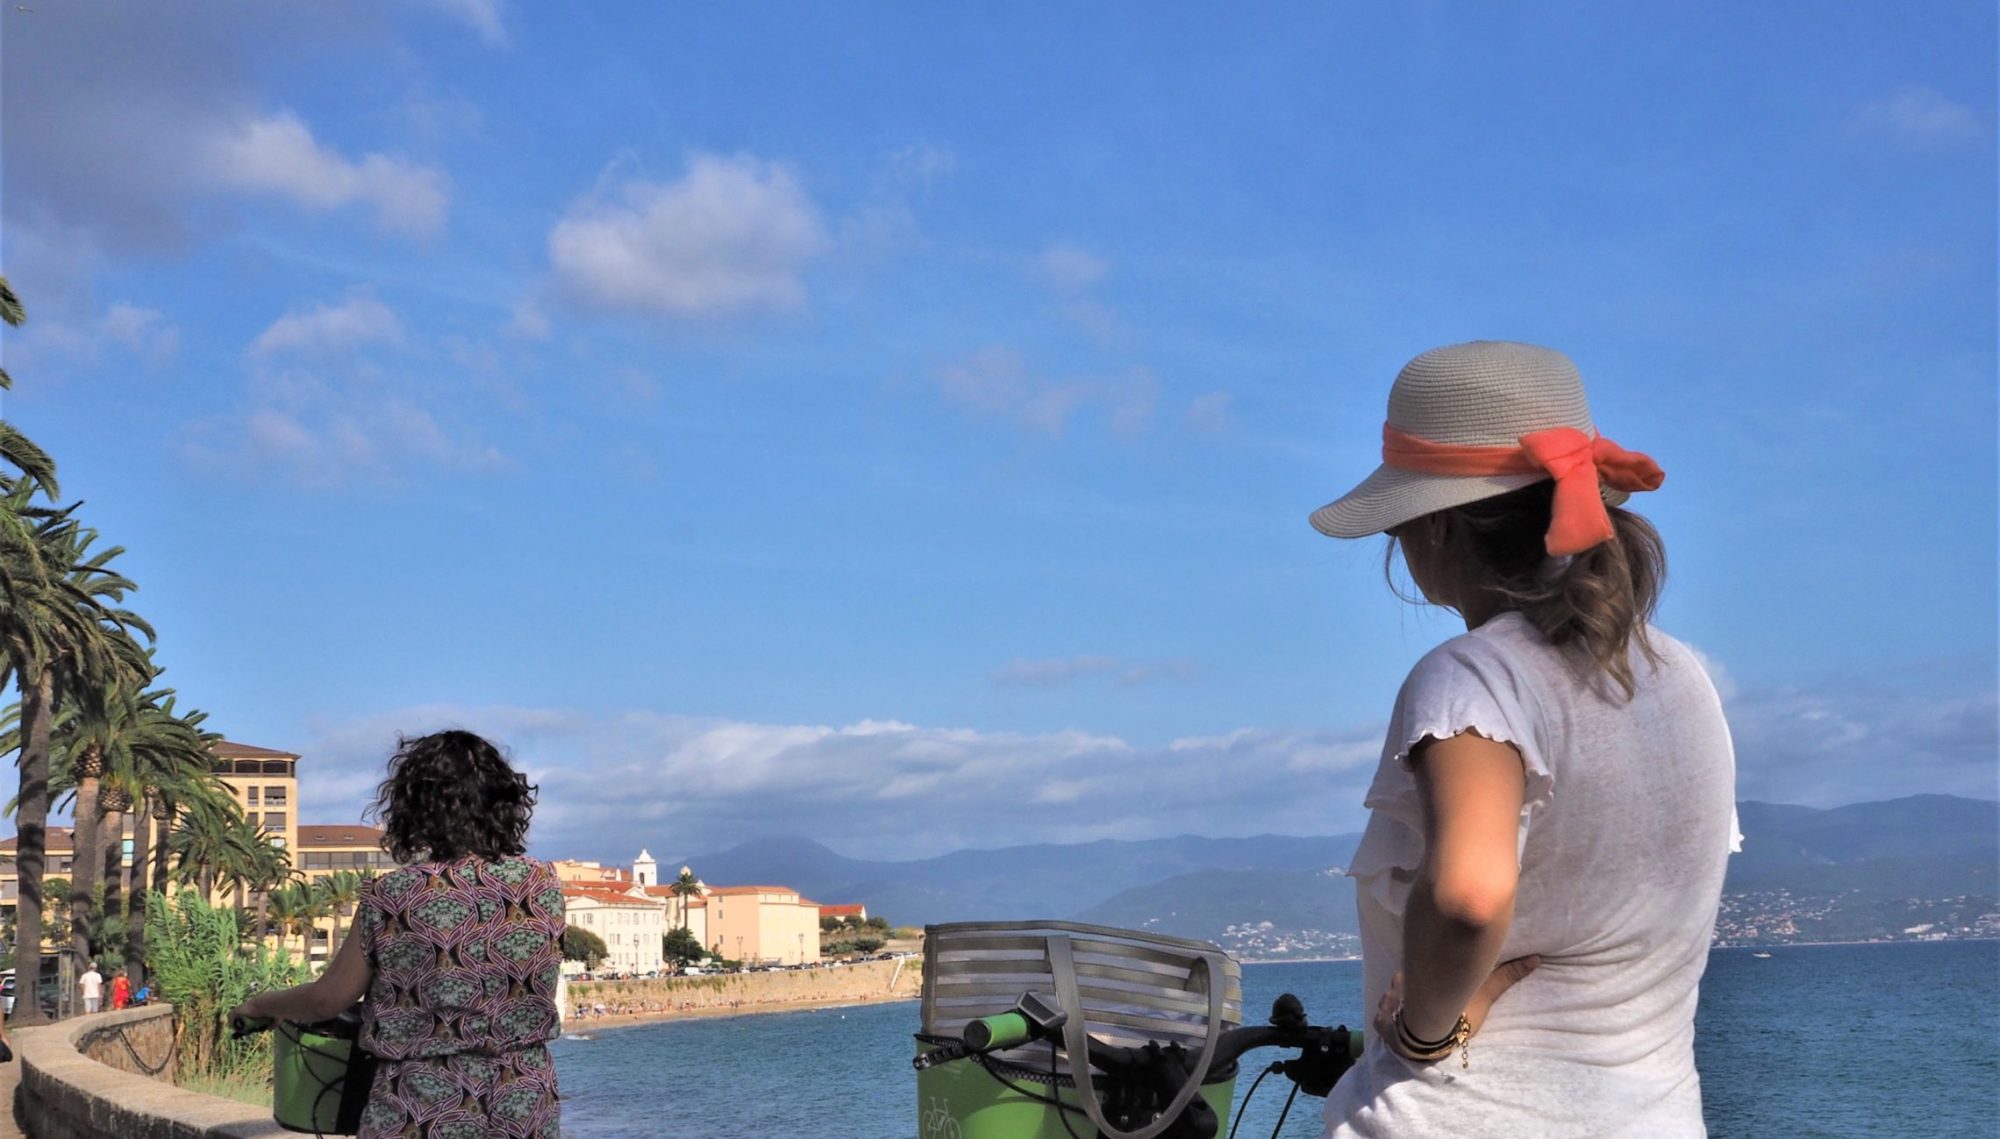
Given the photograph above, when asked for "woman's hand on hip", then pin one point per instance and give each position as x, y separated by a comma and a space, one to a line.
1503, 977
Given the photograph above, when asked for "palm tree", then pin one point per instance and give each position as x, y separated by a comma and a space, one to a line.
269, 867
179, 769
33, 464
60, 632
340, 890
295, 908
213, 847
684, 887
104, 738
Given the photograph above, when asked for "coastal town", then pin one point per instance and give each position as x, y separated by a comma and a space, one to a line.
628, 909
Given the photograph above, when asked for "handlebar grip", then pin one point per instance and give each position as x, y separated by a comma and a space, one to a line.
242, 1026
1001, 1030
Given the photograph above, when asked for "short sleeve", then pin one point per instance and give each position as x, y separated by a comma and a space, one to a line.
1467, 684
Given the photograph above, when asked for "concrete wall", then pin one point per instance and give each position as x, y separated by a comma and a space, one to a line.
866, 981
66, 1094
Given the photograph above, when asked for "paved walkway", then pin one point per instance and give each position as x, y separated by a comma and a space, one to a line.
10, 1078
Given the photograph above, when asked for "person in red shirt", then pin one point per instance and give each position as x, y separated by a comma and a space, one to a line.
121, 990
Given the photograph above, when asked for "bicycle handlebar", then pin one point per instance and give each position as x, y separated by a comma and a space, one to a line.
242, 1026
1324, 1052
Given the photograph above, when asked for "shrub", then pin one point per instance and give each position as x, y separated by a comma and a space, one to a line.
585, 946
681, 947
199, 965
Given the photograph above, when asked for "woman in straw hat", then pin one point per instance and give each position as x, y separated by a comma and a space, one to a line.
1554, 808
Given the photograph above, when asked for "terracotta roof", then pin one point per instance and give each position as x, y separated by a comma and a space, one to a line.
230, 749
334, 834
57, 838
843, 911
602, 893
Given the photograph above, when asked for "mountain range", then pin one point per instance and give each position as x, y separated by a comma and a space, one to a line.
1276, 895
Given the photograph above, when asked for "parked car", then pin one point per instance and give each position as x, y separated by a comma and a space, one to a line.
7, 992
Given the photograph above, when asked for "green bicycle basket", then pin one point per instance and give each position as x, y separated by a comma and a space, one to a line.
320, 1075
1122, 987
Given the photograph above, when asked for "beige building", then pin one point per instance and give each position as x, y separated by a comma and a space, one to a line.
572, 870
59, 862
763, 925
323, 851
690, 912
265, 783
631, 924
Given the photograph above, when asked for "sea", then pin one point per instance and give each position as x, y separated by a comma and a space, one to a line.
1884, 1040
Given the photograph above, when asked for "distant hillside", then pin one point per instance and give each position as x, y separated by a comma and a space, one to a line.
1786, 845
1857, 872
1925, 865
1012, 883
1255, 914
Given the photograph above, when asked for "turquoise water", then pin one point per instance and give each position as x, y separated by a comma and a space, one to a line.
1864, 1040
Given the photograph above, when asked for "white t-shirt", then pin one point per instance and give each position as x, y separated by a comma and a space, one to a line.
1627, 824
93, 984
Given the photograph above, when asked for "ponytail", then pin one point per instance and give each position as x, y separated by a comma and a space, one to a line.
1595, 604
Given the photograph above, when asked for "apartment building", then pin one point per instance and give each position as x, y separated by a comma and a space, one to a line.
326, 849
763, 925
265, 783
632, 925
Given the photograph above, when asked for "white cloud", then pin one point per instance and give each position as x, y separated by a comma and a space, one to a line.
1854, 741
336, 395
613, 782
1211, 413
733, 235
996, 381
278, 155
330, 440
147, 332
528, 322
922, 164
875, 787
1051, 672
357, 322
482, 16
1919, 118
1070, 268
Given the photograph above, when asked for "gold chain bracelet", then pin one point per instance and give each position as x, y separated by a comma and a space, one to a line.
1426, 1051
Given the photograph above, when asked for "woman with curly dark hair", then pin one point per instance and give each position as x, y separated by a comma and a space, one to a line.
457, 952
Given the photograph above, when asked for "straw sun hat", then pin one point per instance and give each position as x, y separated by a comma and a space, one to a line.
1471, 421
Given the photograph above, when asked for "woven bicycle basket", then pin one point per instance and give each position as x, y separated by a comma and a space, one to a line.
1123, 987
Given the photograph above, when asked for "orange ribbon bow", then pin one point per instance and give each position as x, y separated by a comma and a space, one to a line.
1579, 463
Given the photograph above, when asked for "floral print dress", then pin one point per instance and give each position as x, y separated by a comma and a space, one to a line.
465, 957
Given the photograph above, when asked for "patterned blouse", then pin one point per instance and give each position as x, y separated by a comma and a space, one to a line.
466, 956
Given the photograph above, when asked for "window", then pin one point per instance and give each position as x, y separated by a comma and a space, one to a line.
274, 796
274, 820
250, 795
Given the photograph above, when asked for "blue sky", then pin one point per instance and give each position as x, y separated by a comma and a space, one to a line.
873, 423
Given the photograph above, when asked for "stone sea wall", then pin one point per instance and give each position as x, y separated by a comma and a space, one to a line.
104, 1077
866, 981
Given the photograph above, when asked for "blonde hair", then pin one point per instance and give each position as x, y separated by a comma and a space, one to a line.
1595, 604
